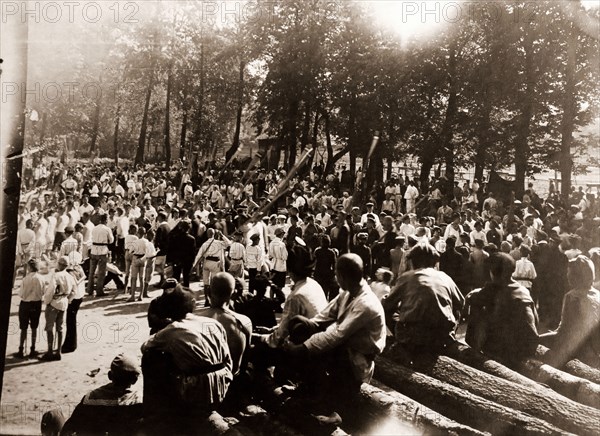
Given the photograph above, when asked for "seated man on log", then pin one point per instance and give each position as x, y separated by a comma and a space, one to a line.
424, 307
341, 342
187, 369
578, 334
237, 326
110, 409
307, 297
502, 320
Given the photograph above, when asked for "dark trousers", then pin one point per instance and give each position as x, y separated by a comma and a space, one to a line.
184, 268
279, 278
110, 276
252, 279
120, 253
70, 343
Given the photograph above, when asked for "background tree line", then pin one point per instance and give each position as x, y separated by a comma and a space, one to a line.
490, 90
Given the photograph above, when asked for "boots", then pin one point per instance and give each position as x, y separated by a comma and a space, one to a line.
145, 291
32, 352
49, 355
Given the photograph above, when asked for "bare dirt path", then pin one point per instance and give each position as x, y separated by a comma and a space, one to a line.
107, 326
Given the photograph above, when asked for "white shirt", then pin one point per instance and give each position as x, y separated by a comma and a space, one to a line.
278, 254
356, 323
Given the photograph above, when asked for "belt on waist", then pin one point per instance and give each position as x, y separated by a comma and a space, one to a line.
138, 255
100, 243
213, 258
206, 369
235, 260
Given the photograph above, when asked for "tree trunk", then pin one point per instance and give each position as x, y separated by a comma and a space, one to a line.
167, 131
198, 130
569, 112
116, 134
96, 125
426, 420
238, 120
484, 138
292, 133
305, 128
447, 132
575, 367
543, 404
522, 139
139, 156
44, 126
475, 359
330, 162
459, 404
575, 388
427, 162
182, 138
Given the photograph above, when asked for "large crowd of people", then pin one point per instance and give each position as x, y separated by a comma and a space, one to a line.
314, 273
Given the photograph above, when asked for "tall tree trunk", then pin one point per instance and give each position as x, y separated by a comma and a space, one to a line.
484, 137
292, 133
44, 126
427, 162
447, 133
569, 112
313, 141
524, 125
116, 134
182, 138
167, 131
96, 125
139, 156
238, 119
305, 128
198, 130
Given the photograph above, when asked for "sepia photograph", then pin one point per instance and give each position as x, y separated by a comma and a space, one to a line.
300, 217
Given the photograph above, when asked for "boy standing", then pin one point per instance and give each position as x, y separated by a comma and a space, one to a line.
30, 308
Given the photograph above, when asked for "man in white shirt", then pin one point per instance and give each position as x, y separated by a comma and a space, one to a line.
85, 206
351, 331
411, 195
212, 253
102, 237
278, 255
57, 297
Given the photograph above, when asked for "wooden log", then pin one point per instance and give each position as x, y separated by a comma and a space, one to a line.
573, 387
541, 403
423, 419
459, 404
469, 356
575, 367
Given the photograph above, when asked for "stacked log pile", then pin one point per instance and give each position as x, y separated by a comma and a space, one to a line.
461, 392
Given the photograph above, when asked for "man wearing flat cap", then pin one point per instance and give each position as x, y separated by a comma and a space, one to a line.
113, 408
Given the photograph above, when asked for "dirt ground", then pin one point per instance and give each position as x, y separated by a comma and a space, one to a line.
107, 326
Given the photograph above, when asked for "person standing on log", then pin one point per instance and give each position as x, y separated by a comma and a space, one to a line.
502, 318
424, 307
